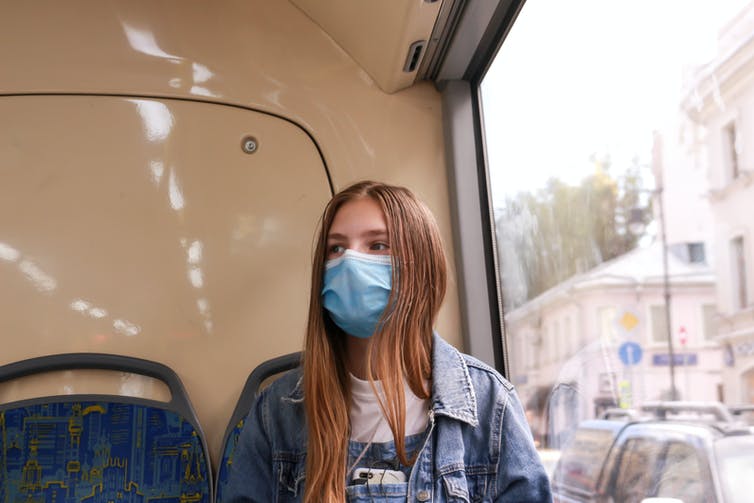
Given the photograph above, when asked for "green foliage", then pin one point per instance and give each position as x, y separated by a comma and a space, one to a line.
554, 233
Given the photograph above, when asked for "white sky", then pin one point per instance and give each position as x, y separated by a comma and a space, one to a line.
590, 76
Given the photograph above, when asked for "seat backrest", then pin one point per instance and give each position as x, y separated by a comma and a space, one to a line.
251, 389
101, 447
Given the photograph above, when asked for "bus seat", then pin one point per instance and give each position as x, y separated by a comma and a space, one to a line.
251, 389
92, 448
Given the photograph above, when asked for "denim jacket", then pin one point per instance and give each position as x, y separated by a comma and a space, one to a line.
478, 448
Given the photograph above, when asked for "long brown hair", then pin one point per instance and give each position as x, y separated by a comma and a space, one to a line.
401, 349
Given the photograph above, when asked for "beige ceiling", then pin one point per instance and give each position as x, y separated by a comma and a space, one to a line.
377, 35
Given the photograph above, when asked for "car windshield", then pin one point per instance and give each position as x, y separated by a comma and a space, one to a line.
735, 457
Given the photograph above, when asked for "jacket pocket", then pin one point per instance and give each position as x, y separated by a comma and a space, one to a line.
456, 488
377, 493
291, 474
460, 486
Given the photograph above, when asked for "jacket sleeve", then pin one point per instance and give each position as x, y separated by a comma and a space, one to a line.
250, 478
521, 478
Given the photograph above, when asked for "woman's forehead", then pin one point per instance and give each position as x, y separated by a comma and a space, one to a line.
359, 216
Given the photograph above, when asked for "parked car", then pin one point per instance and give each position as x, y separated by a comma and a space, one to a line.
694, 453
744, 413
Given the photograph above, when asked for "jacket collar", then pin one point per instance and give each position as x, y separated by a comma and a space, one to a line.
452, 391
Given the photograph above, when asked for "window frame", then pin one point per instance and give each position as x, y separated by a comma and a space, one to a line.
478, 35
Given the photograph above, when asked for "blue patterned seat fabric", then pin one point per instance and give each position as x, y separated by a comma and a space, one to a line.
227, 459
100, 451
258, 376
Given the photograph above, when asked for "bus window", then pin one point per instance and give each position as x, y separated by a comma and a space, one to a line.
622, 198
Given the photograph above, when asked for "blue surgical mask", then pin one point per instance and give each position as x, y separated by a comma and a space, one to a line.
356, 289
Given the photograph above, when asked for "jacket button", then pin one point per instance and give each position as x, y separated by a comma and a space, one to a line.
423, 496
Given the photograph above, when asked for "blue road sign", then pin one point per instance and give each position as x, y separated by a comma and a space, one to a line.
663, 359
629, 353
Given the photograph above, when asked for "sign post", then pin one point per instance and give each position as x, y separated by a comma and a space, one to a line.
683, 338
630, 354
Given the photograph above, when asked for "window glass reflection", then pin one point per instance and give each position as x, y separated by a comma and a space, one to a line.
622, 189
683, 474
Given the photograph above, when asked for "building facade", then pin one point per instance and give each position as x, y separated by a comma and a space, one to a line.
719, 110
599, 340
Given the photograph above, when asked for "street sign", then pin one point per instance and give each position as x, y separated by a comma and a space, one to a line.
679, 359
629, 353
627, 321
625, 394
683, 336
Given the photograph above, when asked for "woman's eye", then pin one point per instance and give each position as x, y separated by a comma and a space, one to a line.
379, 247
336, 249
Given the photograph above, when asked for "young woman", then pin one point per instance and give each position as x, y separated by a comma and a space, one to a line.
384, 409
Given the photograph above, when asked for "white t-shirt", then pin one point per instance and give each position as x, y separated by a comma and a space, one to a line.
367, 421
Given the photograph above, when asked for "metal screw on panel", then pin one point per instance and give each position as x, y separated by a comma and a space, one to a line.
249, 145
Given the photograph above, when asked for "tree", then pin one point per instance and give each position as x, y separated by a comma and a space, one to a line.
551, 234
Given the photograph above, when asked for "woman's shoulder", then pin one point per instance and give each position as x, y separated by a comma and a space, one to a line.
279, 406
466, 388
447, 360
288, 386
478, 371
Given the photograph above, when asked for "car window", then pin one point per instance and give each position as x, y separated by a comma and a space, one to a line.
636, 470
684, 475
582, 458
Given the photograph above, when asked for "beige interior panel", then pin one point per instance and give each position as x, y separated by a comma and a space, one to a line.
141, 227
378, 35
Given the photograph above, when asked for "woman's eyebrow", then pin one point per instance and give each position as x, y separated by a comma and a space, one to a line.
369, 233
375, 232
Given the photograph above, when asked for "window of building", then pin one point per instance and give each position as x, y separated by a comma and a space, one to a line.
730, 150
696, 253
659, 319
692, 253
709, 320
738, 259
